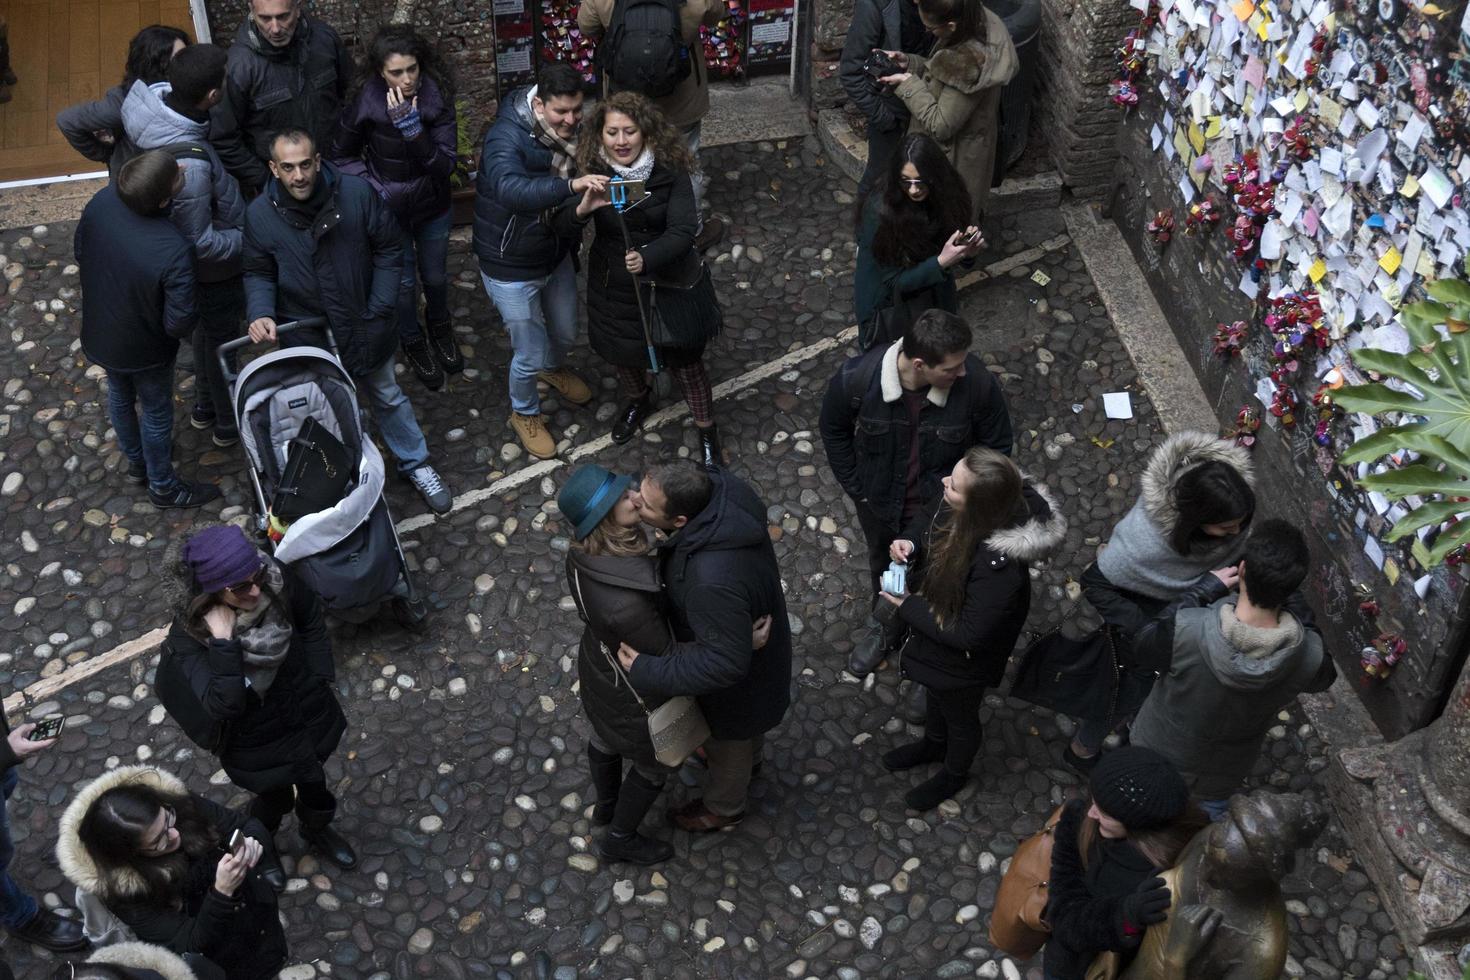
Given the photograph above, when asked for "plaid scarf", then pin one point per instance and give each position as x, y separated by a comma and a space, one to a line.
562, 152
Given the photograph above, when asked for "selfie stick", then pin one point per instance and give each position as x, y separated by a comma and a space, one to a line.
618, 195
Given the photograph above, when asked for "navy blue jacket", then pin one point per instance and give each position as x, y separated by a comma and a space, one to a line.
137, 285
514, 186
720, 573
411, 175
344, 265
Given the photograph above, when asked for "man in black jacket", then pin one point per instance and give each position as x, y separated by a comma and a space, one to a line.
319, 243
286, 71
894, 422
720, 572
138, 302
19, 913
888, 25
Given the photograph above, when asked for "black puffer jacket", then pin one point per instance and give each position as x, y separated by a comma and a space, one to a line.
268, 89
973, 648
661, 228
267, 742
411, 175
344, 265
620, 601
721, 575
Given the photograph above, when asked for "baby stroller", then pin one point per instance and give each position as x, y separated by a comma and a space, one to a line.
349, 552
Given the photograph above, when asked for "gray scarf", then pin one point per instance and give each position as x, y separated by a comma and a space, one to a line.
264, 633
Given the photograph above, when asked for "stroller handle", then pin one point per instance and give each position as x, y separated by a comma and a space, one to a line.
310, 323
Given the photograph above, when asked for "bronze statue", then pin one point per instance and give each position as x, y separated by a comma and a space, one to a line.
1228, 920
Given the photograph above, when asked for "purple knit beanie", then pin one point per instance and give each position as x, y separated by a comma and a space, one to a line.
220, 557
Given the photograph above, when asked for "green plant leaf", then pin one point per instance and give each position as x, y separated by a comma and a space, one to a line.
1374, 398
1415, 437
1432, 513
1420, 319
1416, 479
1449, 541
1452, 291
1396, 365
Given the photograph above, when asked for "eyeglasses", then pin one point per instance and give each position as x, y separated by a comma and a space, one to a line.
258, 579
914, 181
170, 819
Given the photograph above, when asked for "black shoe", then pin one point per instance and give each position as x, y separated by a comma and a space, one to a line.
202, 417
913, 755
709, 447
1082, 764
935, 790
138, 473
710, 235
411, 615
225, 438
446, 350
423, 363
331, 845
274, 876
53, 932
628, 424
867, 654
184, 496
914, 707
634, 848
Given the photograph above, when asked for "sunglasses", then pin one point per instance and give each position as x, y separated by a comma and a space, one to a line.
913, 181
254, 581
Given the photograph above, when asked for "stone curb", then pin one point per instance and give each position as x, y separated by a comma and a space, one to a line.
1015, 194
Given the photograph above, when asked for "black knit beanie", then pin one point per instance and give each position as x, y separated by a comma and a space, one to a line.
1139, 788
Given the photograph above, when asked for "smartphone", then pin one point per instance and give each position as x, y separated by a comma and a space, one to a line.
47, 728
237, 841
968, 240
629, 192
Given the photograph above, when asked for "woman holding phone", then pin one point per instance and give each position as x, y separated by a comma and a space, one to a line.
646, 284
247, 673
159, 858
399, 133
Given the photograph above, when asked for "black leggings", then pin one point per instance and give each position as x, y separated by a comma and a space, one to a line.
953, 717
278, 801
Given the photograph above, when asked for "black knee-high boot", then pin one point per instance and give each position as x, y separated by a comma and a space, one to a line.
607, 780
623, 842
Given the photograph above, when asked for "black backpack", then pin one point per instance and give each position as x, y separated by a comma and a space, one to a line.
644, 49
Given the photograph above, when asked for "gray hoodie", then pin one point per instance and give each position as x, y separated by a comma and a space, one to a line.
1210, 711
209, 211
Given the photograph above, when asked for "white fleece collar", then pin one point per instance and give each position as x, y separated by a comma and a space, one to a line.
893, 384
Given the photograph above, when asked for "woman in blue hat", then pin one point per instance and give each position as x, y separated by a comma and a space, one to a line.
614, 579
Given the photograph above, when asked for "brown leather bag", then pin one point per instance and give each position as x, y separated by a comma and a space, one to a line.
1017, 925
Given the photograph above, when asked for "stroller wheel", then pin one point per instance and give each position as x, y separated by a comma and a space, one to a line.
412, 615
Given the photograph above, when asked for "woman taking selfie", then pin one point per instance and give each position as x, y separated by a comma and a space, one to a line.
645, 281
968, 594
160, 859
912, 228
1186, 531
1107, 852
953, 95
247, 673
399, 134
614, 580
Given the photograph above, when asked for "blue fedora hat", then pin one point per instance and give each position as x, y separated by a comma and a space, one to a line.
588, 495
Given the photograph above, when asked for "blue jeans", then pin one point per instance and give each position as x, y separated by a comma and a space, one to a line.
426, 257
16, 907
541, 317
394, 415
152, 442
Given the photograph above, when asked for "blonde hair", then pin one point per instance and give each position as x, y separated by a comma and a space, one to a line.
611, 538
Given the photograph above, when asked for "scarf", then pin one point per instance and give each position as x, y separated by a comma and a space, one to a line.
1140, 559
640, 169
264, 633
562, 152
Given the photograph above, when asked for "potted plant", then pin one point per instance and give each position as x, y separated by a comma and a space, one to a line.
466, 161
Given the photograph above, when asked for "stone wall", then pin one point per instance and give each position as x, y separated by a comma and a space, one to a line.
1078, 41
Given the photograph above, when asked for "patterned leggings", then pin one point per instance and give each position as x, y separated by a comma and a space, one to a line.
692, 380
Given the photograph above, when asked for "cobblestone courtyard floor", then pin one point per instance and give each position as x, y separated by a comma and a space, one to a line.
463, 782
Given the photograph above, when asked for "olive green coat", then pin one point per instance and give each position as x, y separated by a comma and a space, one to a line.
954, 96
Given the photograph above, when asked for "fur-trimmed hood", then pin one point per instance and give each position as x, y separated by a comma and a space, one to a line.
1039, 535
972, 66
75, 862
145, 956
1178, 454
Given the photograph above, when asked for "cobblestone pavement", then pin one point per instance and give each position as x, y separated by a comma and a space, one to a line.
462, 778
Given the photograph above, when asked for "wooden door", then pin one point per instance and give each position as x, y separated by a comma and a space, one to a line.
63, 52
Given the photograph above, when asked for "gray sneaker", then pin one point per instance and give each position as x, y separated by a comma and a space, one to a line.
426, 481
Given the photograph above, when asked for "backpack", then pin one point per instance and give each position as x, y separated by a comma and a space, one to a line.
644, 49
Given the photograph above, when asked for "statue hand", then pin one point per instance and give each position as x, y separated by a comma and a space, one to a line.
1191, 928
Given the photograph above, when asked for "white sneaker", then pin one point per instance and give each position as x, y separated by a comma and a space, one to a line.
426, 481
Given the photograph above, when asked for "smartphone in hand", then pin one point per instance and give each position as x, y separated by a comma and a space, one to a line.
237, 842
47, 729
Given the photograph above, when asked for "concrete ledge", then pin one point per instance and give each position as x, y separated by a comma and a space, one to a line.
849, 153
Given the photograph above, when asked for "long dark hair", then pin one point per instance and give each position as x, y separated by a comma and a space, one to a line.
1213, 492
911, 231
659, 135
1160, 845
112, 832
992, 502
968, 17
402, 39
149, 53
